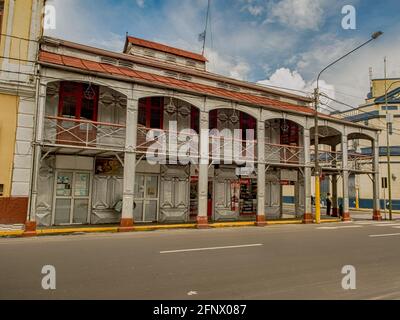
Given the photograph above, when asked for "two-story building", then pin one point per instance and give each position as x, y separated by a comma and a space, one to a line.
150, 136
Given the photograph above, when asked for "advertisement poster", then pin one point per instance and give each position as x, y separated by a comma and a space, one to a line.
108, 167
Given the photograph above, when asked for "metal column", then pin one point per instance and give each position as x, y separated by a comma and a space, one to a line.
376, 206
129, 165
345, 178
308, 216
30, 224
260, 219
202, 218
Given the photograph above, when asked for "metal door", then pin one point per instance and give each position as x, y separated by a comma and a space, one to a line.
273, 196
146, 198
72, 197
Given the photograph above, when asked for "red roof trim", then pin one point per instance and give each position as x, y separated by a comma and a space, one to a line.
92, 66
165, 48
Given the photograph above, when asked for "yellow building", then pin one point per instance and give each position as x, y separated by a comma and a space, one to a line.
374, 113
20, 26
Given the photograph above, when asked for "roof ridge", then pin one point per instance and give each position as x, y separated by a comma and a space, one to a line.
165, 48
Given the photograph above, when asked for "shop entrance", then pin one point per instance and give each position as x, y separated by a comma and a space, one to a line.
146, 198
248, 197
72, 197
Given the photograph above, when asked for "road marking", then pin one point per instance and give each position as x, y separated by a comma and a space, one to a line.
384, 235
339, 227
372, 223
388, 225
213, 248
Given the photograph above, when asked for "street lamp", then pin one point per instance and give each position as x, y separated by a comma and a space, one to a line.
317, 169
388, 152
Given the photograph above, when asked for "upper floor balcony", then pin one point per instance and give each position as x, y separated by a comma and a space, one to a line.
86, 116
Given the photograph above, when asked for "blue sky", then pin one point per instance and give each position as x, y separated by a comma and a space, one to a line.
274, 42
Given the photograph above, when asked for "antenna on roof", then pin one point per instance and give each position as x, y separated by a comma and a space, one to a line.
203, 35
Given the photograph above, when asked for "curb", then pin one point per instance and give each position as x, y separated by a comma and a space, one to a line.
65, 231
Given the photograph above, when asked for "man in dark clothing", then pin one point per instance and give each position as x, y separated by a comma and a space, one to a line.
328, 204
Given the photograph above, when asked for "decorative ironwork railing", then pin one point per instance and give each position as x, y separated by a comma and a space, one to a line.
284, 154
328, 159
334, 159
185, 145
83, 133
360, 162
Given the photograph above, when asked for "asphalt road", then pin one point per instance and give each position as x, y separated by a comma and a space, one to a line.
275, 262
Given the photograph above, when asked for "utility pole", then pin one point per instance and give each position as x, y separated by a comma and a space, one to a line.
317, 172
388, 151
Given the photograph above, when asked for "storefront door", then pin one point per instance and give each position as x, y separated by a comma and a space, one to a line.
72, 197
146, 198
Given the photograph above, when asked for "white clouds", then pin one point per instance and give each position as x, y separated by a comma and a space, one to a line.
140, 3
299, 14
228, 66
253, 8
293, 82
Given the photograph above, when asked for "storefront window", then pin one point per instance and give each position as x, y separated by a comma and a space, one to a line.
248, 197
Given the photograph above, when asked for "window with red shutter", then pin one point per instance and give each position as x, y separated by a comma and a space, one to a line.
151, 112
78, 101
247, 122
194, 119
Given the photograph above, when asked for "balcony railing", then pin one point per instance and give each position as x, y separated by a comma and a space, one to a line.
166, 143
360, 162
284, 154
328, 159
334, 160
185, 145
83, 133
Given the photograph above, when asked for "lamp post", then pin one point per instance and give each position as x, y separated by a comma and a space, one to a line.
317, 170
388, 152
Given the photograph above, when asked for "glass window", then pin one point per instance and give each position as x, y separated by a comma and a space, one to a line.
151, 112
78, 101
69, 107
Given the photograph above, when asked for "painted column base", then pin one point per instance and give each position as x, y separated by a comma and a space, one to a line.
202, 222
260, 221
335, 212
30, 229
377, 215
308, 218
126, 225
346, 216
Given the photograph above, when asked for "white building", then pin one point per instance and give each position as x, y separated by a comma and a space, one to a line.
96, 108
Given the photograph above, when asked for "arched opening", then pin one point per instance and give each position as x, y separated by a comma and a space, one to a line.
232, 188
81, 172
330, 160
84, 115
360, 163
166, 186
284, 156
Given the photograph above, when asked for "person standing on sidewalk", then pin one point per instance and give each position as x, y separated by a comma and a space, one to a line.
328, 204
